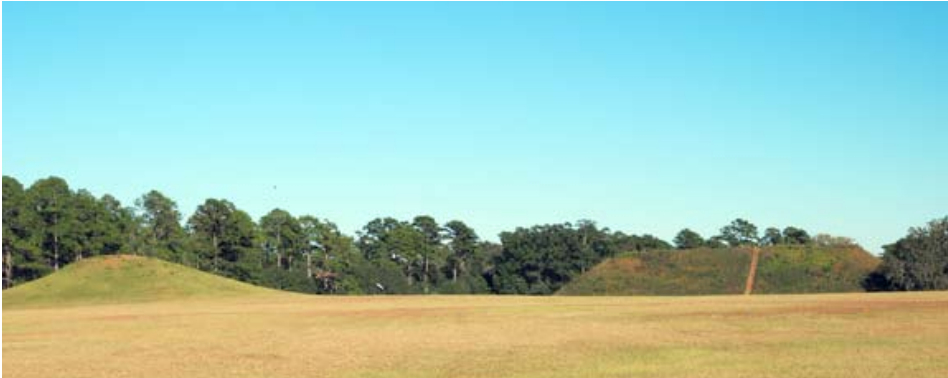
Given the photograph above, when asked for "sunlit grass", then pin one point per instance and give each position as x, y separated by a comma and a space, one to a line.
874, 335
123, 279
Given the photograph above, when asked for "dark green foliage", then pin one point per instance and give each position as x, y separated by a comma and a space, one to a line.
462, 242
918, 261
688, 239
23, 259
465, 284
793, 235
418, 249
121, 224
646, 242
541, 259
276, 277
283, 239
740, 232
429, 228
102, 225
381, 277
789, 235
161, 234
373, 239
432, 253
716, 242
51, 200
329, 255
49, 225
772, 236
224, 237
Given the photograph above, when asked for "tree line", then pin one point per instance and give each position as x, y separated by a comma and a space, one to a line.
49, 225
741, 232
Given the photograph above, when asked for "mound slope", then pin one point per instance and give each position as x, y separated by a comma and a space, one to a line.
781, 269
123, 279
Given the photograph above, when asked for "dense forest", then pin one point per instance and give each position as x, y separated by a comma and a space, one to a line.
49, 225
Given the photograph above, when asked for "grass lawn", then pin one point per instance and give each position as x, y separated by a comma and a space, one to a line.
287, 335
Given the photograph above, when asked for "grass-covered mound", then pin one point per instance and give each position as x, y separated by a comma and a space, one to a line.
813, 269
122, 279
782, 269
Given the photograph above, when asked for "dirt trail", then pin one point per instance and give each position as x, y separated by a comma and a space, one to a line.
752, 273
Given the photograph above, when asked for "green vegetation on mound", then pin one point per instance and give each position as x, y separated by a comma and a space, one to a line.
122, 279
783, 269
813, 269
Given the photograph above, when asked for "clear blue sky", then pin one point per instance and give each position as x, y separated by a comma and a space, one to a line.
644, 117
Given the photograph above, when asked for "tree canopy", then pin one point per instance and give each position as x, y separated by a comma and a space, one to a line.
688, 239
918, 261
740, 232
48, 225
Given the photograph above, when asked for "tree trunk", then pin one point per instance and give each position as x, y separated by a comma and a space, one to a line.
326, 259
425, 279
55, 252
7, 267
279, 255
309, 265
216, 252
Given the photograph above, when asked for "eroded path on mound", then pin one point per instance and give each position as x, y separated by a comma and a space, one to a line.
752, 272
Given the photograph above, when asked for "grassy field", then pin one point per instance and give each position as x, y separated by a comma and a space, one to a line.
275, 334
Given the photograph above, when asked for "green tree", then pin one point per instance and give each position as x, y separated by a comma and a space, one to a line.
12, 196
49, 224
282, 237
688, 239
428, 226
335, 253
740, 232
772, 236
918, 261
161, 224
373, 238
101, 225
462, 241
386, 242
92, 231
22, 258
51, 199
409, 246
594, 243
541, 259
793, 235
637, 243
123, 226
432, 252
226, 237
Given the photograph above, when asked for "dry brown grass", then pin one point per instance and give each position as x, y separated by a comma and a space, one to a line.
284, 335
